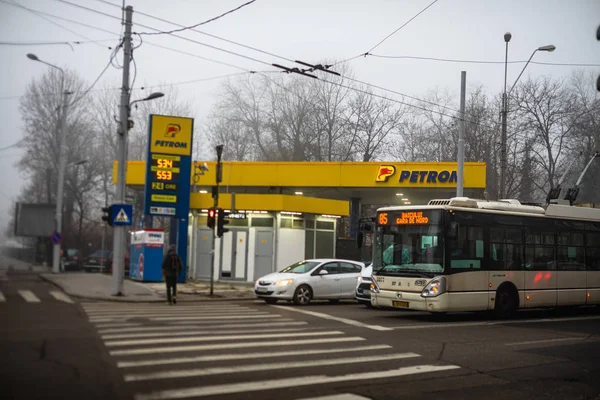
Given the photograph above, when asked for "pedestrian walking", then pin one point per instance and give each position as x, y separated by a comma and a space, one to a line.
171, 268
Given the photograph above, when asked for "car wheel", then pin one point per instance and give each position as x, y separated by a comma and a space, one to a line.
303, 295
270, 301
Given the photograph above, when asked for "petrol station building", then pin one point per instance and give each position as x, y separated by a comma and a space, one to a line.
283, 212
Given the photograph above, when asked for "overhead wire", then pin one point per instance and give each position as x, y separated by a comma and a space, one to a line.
39, 14
388, 36
177, 36
482, 61
198, 24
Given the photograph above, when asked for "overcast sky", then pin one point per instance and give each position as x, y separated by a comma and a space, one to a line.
309, 30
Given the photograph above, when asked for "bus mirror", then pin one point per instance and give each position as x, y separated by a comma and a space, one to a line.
453, 230
359, 239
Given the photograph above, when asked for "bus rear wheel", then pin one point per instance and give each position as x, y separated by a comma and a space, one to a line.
506, 302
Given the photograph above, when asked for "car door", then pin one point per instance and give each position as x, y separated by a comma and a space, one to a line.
349, 274
328, 285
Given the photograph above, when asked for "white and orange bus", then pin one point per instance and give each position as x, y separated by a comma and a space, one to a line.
463, 254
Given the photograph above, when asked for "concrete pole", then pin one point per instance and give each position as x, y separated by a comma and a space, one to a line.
62, 165
461, 136
501, 193
119, 237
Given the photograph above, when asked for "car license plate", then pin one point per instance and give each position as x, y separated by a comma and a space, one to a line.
262, 289
396, 303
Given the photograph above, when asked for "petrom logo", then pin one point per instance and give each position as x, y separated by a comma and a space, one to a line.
172, 130
384, 172
155, 235
428, 176
170, 144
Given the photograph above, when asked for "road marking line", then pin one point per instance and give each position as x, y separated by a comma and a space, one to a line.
233, 324
493, 323
126, 317
245, 356
158, 306
116, 325
288, 383
29, 296
194, 332
343, 396
187, 373
545, 341
165, 308
343, 320
196, 325
110, 343
2, 298
173, 313
221, 346
60, 296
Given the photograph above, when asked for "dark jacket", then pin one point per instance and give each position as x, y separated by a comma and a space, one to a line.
171, 265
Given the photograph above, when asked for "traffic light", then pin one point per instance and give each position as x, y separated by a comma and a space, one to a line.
211, 218
108, 215
221, 221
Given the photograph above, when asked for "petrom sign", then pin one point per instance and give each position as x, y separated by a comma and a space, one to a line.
407, 176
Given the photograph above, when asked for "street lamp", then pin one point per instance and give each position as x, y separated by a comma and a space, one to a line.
119, 231
549, 48
61, 163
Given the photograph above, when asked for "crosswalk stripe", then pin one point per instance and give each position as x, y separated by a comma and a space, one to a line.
126, 317
245, 356
166, 313
194, 332
29, 296
117, 325
116, 329
154, 307
221, 346
112, 343
60, 296
343, 396
230, 388
187, 373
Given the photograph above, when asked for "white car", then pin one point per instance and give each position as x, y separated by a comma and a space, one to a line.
323, 278
363, 286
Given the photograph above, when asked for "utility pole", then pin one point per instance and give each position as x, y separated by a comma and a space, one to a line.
461, 136
122, 133
62, 165
218, 178
501, 194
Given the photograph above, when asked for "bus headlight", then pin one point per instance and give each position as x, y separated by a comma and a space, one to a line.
436, 287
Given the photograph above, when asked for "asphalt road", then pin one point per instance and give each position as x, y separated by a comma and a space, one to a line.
48, 349
249, 350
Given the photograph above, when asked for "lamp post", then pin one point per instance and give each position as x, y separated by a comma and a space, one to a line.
548, 48
119, 231
61, 163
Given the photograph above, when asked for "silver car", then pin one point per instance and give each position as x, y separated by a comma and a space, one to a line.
315, 279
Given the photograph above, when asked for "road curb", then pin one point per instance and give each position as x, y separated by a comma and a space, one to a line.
125, 299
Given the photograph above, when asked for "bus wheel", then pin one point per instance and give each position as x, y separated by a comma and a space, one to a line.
302, 295
506, 303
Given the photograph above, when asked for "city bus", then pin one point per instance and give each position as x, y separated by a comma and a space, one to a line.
464, 254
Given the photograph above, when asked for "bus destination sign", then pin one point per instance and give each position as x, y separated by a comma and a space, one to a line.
403, 218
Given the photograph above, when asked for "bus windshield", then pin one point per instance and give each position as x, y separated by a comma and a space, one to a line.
409, 250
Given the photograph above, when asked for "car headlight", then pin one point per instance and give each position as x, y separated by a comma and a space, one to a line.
284, 283
436, 287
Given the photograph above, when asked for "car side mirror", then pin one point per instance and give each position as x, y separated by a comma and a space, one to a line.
323, 272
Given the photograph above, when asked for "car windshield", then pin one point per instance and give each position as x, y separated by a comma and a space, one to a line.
409, 250
300, 267
71, 252
100, 254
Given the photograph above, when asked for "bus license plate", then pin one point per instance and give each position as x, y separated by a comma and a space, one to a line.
396, 303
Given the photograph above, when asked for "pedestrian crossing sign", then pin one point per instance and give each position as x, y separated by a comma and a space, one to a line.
122, 214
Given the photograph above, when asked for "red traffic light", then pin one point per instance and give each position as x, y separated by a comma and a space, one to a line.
211, 213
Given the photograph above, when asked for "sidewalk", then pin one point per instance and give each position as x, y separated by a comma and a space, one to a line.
97, 286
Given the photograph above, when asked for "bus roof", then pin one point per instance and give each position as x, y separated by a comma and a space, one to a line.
510, 206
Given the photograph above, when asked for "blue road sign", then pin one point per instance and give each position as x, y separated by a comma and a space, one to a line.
122, 214
55, 237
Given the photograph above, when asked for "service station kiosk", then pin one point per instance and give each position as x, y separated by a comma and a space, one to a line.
146, 254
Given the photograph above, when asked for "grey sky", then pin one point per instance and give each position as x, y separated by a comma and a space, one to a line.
310, 30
